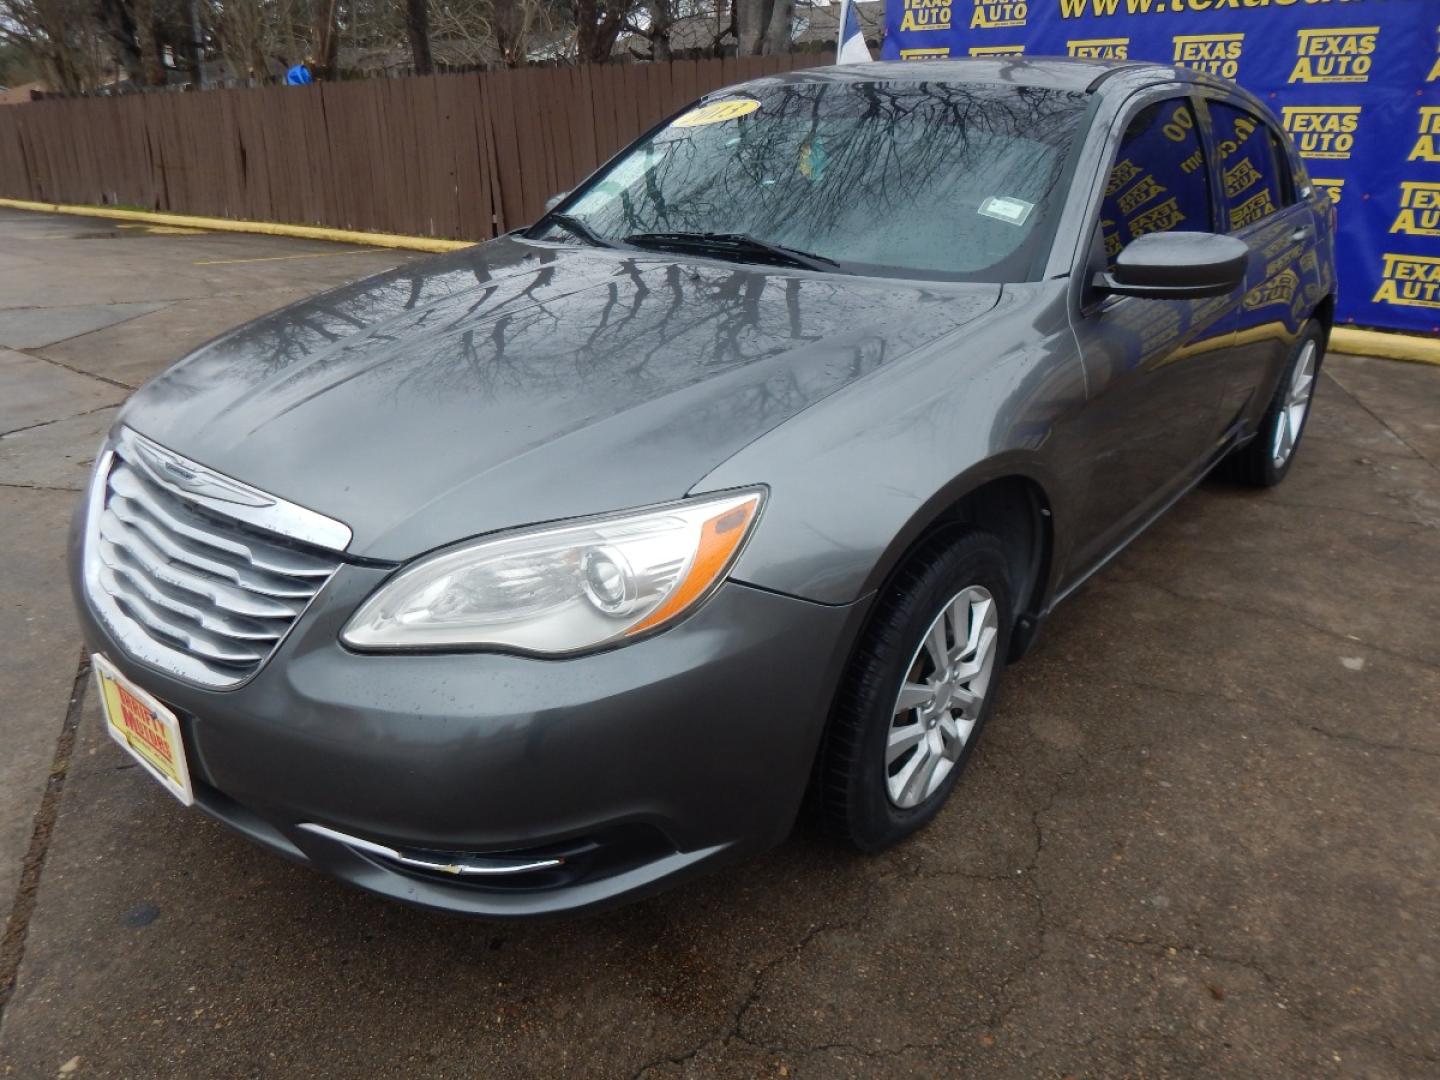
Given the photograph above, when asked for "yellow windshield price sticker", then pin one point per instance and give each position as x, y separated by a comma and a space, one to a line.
717, 112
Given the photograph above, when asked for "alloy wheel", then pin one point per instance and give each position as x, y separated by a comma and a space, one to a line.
942, 697
1295, 405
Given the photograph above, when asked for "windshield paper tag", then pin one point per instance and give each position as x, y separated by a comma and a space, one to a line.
1003, 208
717, 112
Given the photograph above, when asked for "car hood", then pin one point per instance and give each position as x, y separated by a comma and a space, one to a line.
515, 383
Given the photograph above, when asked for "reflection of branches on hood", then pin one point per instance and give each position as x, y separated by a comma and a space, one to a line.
416, 284
470, 357
484, 298
612, 297
667, 339
629, 268
499, 358
792, 306
638, 292
660, 332
590, 344
311, 322
543, 277
741, 313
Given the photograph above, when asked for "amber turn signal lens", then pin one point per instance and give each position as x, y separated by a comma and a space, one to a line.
720, 540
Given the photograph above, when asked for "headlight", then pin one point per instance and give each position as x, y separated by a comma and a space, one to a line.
562, 589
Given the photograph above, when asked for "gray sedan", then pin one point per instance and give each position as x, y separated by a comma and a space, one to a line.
538, 576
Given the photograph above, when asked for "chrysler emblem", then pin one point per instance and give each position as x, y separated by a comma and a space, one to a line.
176, 472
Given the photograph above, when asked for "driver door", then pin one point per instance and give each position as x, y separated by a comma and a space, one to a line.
1154, 367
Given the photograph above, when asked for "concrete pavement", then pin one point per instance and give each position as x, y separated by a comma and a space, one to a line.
88, 310
1201, 837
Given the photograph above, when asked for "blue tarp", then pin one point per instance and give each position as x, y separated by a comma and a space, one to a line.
1355, 82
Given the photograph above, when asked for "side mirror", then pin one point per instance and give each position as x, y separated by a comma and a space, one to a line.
1177, 266
555, 200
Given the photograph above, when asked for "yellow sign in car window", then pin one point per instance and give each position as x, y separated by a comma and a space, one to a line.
717, 112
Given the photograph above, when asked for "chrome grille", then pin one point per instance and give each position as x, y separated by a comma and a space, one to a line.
183, 585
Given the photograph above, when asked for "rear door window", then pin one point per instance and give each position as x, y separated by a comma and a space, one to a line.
1250, 166
1160, 181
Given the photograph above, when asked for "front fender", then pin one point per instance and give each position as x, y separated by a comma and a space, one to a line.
855, 480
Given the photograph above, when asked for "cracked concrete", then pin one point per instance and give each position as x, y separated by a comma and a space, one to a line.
1201, 836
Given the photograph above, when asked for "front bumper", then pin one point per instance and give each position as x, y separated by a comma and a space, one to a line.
653, 760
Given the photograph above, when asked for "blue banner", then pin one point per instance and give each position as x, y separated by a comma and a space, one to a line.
1355, 82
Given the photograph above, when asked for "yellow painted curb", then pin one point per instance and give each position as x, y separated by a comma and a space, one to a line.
1347, 339
267, 228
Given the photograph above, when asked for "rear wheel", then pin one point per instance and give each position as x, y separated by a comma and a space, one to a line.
1265, 459
917, 692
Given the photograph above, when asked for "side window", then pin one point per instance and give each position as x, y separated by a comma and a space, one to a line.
1159, 182
1289, 182
1249, 164
1301, 176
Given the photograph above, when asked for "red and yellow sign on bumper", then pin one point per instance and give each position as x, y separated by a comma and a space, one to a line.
144, 727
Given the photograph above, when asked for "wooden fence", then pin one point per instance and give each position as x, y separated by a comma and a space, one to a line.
452, 156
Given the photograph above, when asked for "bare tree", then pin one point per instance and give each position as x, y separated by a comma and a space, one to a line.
61, 36
194, 43
597, 26
78, 44
117, 22
777, 30
137, 31
243, 31
662, 19
152, 61
325, 37
417, 28
763, 26
512, 22
259, 38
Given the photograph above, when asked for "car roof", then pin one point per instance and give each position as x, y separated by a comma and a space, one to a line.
1051, 72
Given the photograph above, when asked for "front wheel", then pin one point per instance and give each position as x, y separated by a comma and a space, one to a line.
917, 692
1265, 459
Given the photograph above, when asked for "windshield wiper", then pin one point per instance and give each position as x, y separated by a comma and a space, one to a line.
579, 228
741, 244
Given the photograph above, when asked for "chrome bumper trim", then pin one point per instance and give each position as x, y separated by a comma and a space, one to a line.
466, 866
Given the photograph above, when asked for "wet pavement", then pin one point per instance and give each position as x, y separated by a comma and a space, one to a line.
1201, 837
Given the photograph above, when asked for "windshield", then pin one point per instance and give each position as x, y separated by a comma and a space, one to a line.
921, 179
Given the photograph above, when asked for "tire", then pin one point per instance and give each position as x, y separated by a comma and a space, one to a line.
1260, 462
959, 572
